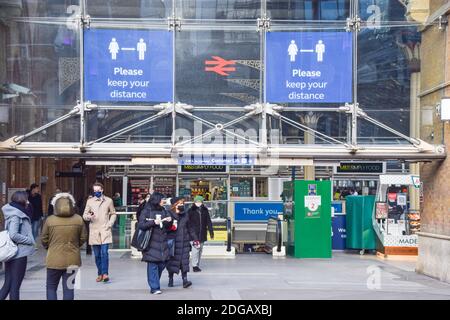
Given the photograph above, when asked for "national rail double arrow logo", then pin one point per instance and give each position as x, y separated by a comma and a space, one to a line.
220, 66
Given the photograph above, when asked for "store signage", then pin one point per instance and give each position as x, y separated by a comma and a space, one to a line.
312, 67
128, 65
240, 160
361, 167
257, 211
401, 241
202, 168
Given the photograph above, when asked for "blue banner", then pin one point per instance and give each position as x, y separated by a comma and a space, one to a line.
339, 237
128, 65
309, 67
257, 211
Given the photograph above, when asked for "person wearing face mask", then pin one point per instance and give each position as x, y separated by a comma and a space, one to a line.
179, 239
200, 223
101, 214
156, 254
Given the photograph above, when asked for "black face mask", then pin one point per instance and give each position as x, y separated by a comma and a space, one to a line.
180, 208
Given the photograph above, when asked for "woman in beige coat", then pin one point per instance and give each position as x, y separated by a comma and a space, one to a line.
101, 215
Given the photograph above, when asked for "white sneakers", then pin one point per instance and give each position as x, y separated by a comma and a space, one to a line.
157, 292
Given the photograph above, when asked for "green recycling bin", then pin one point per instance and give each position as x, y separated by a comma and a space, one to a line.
360, 232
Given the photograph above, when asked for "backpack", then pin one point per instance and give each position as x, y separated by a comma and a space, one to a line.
8, 249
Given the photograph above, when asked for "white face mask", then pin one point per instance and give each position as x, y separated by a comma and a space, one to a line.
198, 204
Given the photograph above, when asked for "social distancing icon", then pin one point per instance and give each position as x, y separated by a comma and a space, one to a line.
319, 50
114, 49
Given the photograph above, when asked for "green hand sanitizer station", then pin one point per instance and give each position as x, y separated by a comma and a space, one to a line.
308, 211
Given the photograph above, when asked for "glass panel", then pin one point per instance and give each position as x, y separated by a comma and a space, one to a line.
122, 231
41, 80
41, 8
218, 68
308, 9
152, 9
211, 189
103, 122
261, 188
387, 59
219, 9
377, 13
332, 124
241, 187
165, 185
246, 129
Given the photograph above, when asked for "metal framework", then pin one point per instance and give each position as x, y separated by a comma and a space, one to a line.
333, 149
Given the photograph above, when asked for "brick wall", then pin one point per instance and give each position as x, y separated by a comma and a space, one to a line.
436, 175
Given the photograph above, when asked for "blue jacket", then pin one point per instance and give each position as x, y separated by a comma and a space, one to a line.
18, 225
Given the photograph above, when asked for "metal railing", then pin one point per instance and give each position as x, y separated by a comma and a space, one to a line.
229, 236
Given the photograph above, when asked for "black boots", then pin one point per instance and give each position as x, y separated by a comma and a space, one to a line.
186, 283
170, 280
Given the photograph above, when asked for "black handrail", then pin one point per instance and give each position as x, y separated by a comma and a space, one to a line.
228, 234
279, 237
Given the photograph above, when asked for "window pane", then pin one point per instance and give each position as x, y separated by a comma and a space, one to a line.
41, 8
218, 68
152, 9
308, 9
219, 9
104, 122
41, 80
387, 59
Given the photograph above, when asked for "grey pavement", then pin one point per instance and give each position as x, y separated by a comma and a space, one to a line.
252, 276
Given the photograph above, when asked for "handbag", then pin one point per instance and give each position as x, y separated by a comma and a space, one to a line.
141, 238
8, 249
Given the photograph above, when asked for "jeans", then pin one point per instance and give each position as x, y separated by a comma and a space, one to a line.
171, 246
154, 271
101, 258
14, 273
53, 277
35, 225
196, 255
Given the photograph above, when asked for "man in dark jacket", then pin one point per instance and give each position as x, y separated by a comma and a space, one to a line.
63, 235
35, 200
200, 222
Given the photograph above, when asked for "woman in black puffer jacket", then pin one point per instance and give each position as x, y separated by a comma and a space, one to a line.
180, 236
154, 216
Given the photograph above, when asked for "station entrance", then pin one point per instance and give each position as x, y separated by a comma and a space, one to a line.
137, 93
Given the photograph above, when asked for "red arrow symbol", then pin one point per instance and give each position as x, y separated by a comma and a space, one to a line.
220, 65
